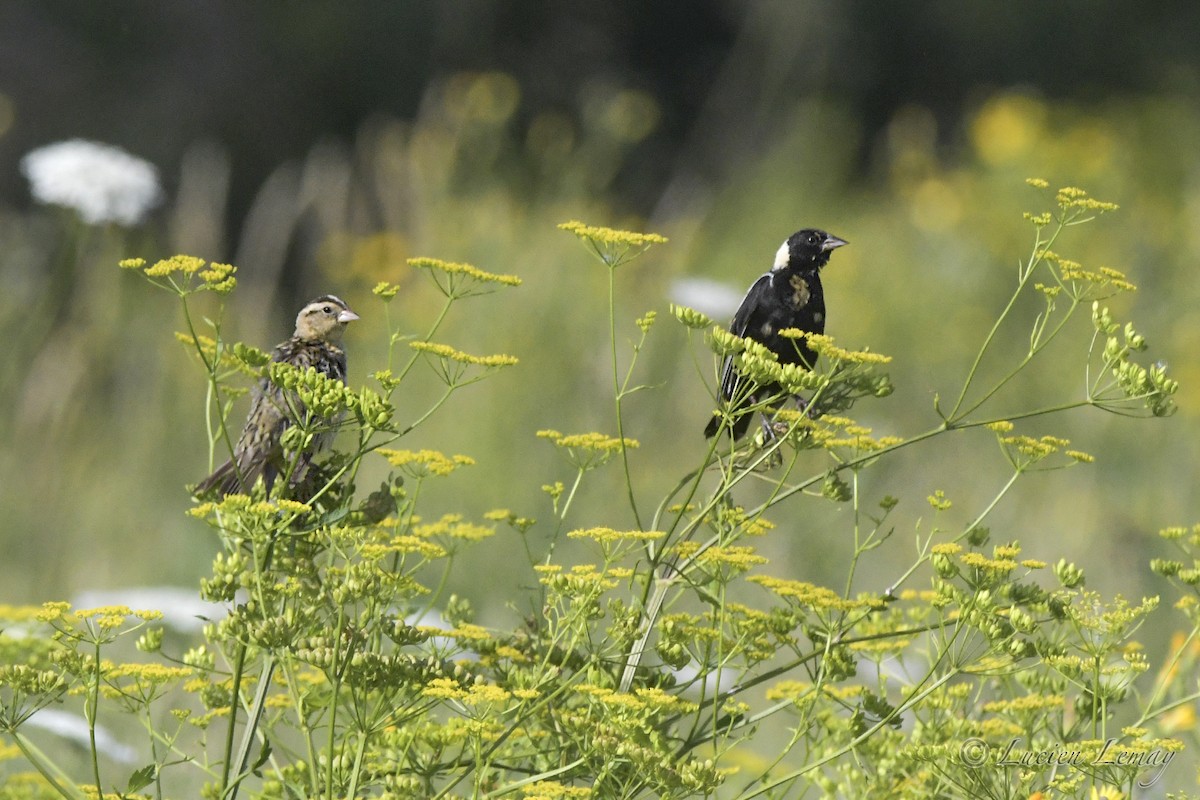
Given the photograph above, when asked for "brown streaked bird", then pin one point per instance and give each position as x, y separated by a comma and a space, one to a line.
316, 343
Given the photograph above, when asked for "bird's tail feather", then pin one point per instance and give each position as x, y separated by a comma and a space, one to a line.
228, 479
741, 423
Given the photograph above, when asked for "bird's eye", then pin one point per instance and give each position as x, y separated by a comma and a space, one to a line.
813, 238
328, 309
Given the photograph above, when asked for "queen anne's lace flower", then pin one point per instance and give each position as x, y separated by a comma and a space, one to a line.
101, 182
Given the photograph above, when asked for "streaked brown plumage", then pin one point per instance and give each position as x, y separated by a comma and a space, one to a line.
316, 343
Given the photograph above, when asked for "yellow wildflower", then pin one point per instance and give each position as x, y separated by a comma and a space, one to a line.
610, 536
425, 462
454, 269
611, 235
446, 352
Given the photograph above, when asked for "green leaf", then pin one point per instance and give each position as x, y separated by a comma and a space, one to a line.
141, 778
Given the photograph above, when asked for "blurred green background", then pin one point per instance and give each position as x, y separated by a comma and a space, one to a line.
316, 146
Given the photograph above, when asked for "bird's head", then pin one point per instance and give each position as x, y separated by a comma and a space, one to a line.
324, 319
807, 249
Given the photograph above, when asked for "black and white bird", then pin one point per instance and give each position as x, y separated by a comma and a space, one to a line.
789, 296
316, 343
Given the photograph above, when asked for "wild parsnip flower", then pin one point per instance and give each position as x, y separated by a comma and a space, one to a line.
818, 598
1107, 277
738, 558
457, 280
10, 613
452, 526
553, 790
690, 317
185, 274
143, 681
982, 562
404, 545
385, 290
939, 501
613, 247
1026, 704
223, 357
444, 689
100, 182
452, 365
1072, 197
1038, 183
422, 463
588, 450
610, 536
823, 345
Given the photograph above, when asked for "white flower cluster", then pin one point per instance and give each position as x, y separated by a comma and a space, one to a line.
101, 182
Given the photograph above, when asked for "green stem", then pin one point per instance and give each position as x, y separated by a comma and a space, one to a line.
91, 709
1022, 279
253, 716
61, 782
239, 666
612, 338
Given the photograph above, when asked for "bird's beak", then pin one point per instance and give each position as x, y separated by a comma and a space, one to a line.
832, 243
347, 316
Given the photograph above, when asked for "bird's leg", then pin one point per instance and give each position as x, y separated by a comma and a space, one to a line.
805, 406
768, 427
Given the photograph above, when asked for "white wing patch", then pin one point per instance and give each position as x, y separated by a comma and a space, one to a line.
781, 257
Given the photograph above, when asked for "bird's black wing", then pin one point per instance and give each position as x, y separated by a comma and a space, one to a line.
743, 322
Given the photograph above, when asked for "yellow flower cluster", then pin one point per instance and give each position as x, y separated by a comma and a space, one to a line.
403, 545
610, 536
824, 345
104, 618
453, 527
690, 316
464, 270
1025, 704
385, 290
611, 236
815, 597
1035, 449
553, 790
241, 505
147, 674
447, 352
588, 450
856, 437
650, 700
939, 501
421, 463
1072, 197
597, 442
11, 613
214, 277
613, 247
1073, 271
982, 562
735, 557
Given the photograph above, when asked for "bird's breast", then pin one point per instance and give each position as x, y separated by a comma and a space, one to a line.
800, 292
